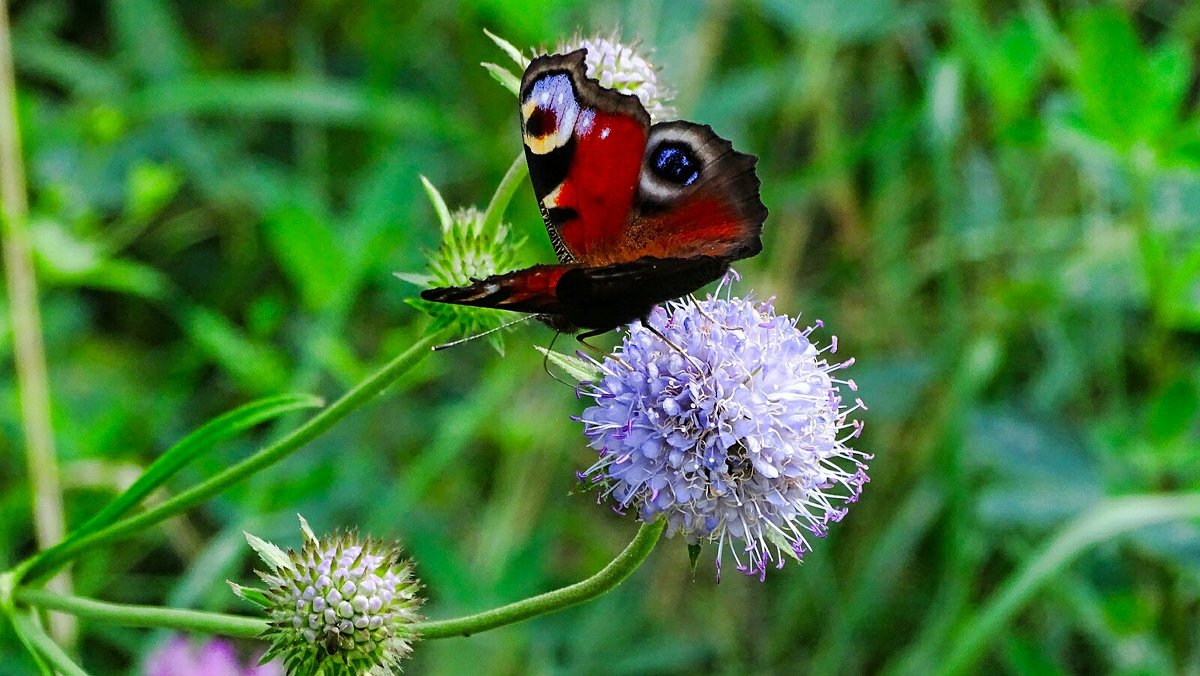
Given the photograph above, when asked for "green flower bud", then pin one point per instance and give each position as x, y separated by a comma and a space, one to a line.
341, 605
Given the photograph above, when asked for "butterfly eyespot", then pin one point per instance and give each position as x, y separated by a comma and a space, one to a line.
549, 110
541, 122
675, 162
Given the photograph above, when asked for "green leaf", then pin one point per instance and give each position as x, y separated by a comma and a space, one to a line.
1177, 293
148, 189
271, 554
68, 260
309, 536
505, 77
578, 368
285, 97
126, 276
1169, 68
1110, 76
693, 557
8, 583
1108, 520
1172, 412
439, 205
257, 367
785, 545
304, 244
191, 447
513, 53
67, 66
1014, 67
149, 38
256, 596
422, 281
61, 252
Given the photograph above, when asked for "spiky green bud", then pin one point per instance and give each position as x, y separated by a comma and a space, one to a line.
469, 249
341, 605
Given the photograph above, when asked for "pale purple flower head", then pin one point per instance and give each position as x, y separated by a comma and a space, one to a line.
213, 657
735, 430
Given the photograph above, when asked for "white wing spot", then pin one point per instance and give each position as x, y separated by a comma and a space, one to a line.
551, 200
605, 132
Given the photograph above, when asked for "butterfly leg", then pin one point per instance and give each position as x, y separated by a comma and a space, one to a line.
588, 334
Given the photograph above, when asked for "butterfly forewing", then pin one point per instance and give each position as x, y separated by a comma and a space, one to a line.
584, 145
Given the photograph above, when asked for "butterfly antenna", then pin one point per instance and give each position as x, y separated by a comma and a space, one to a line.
460, 341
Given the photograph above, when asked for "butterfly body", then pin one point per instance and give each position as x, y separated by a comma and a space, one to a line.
638, 214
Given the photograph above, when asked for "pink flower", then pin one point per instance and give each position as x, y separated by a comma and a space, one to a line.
214, 657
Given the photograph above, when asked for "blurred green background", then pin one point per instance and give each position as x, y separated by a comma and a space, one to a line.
995, 206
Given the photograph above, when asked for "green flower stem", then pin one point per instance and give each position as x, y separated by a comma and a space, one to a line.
29, 352
609, 577
512, 180
36, 639
47, 562
144, 616
1109, 519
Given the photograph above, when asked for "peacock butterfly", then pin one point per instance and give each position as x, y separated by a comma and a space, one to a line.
638, 214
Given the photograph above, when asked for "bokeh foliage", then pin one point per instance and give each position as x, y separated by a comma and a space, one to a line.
996, 206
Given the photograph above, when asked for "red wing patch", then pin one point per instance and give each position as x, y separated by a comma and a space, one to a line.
600, 186
701, 226
584, 145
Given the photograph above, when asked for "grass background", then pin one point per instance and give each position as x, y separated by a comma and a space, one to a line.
995, 206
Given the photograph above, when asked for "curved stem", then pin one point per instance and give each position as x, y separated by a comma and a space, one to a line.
1107, 520
45, 563
609, 577
144, 616
36, 639
516, 173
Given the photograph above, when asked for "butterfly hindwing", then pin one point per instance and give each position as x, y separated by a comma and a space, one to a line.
697, 196
607, 296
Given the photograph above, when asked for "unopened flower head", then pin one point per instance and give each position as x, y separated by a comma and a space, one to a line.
341, 605
620, 67
469, 249
728, 421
